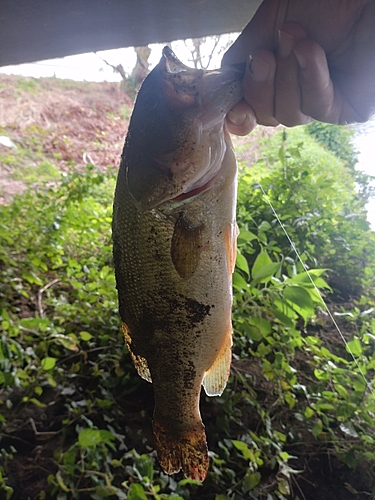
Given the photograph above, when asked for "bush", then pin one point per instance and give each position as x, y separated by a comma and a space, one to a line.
296, 390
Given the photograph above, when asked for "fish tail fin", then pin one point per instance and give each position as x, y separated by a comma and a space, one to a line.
185, 450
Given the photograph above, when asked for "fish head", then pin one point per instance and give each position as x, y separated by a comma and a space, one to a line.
175, 141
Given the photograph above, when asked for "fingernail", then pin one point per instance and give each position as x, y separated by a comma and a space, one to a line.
259, 69
301, 60
286, 43
237, 118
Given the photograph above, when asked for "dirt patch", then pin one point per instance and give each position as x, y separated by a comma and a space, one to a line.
64, 124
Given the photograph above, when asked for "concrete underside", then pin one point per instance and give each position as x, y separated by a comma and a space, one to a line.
33, 30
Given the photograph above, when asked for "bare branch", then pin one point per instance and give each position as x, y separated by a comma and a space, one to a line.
117, 69
40, 293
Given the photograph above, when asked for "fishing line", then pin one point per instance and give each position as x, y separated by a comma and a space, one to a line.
316, 288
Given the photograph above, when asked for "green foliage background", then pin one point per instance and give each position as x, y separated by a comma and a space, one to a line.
296, 388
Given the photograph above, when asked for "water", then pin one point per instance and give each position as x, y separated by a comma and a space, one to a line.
364, 142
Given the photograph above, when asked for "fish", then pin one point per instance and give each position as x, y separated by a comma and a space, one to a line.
174, 248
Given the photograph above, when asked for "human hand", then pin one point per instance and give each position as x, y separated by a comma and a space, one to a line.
309, 60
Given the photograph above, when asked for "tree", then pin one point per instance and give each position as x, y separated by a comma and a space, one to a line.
208, 49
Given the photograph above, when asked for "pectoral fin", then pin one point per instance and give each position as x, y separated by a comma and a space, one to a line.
186, 247
216, 377
139, 362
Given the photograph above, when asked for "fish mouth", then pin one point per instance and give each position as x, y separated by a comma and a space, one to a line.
221, 90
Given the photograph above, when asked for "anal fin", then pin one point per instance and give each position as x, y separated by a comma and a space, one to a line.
215, 379
139, 362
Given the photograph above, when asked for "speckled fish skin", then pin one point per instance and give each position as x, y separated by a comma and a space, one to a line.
174, 235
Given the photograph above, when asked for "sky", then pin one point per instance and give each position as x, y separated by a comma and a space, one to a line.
89, 67
364, 142
92, 67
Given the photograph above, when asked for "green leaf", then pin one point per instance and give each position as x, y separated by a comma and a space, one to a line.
32, 278
252, 332
246, 236
67, 341
136, 492
264, 226
324, 406
315, 275
250, 481
283, 318
48, 363
317, 428
281, 154
144, 466
354, 347
262, 260
242, 264
92, 437
108, 491
321, 374
284, 455
341, 391
285, 308
283, 485
359, 383
299, 296
290, 399
60, 482
266, 271
309, 412
262, 324
349, 430
263, 350
85, 336
244, 449
38, 390
345, 411
187, 480
35, 323
315, 296
38, 403
240, 445
239, 282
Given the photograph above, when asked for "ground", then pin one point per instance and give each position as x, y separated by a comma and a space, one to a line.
67, 125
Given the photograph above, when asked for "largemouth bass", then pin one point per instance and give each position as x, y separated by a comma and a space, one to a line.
174, 235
